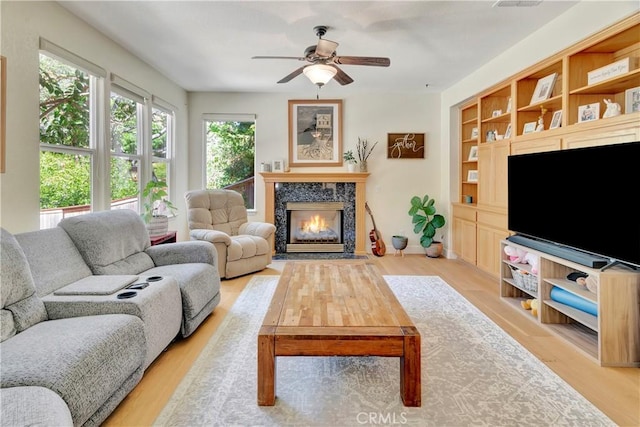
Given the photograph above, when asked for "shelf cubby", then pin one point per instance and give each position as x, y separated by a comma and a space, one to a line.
469, 122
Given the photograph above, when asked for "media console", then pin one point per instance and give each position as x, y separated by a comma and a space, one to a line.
610, 336
582, 258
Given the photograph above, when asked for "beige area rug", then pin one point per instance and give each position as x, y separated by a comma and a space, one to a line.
473, 374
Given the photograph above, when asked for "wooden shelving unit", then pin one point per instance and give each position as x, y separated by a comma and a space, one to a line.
570, 91
469, 138
612, 337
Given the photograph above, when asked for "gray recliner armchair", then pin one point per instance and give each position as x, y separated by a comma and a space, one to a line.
220, 217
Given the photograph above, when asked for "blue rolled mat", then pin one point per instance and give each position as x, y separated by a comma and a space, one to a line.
572, 300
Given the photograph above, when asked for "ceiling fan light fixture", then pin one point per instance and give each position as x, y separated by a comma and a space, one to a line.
319, 74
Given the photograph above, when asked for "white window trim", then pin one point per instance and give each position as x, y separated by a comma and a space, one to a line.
71, 59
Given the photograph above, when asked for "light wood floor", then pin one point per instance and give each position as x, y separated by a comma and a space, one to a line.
616, 391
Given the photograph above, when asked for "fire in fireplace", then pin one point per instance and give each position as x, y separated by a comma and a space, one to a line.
314, 227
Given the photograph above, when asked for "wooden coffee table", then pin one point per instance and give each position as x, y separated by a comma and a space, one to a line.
337, 309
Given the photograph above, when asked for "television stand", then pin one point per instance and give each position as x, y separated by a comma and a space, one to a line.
610, 337
614, 262
583, 258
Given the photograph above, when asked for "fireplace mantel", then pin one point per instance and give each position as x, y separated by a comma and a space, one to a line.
360, 179
315, 177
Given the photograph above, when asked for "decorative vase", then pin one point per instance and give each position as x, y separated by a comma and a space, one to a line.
363, 166
158, 225
434, 250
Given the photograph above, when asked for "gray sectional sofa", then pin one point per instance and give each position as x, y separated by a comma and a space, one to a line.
71, 349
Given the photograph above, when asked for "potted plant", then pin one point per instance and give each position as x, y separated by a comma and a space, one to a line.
155, 206
364, 151
425, 223
350, 159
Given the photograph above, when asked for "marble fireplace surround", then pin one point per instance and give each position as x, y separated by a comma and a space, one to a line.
359, 179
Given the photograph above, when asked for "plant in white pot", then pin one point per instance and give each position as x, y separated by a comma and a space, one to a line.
425, 223
350, 159
155, 207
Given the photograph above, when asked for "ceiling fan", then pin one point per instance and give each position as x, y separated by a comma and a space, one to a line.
324, 59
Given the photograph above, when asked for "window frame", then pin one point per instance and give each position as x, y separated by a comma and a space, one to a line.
96, 92
102, 84
228, 117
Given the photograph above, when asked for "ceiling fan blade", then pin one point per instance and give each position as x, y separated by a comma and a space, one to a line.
362, 60
291, 76
325, 48
342, 77
299, 58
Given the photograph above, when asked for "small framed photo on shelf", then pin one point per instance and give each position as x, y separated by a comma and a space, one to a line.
472, 176
543, 89
473, 153
277, 165
509, 105
496, 113
632, 100
490, 136
556, 120
529, 127
507, 133
474, 133
589, 112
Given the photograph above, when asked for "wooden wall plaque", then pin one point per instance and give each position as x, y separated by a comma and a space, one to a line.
406, 145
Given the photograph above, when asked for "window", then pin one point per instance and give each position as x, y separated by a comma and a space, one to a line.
68, 138
230, 154
85, 163
126, 141
162, 116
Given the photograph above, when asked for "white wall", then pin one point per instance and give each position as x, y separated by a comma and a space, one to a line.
392, 181
579, 22
22, 25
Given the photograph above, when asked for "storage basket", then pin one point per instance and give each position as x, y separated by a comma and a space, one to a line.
524, 279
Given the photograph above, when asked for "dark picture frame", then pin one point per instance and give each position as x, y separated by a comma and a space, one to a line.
315, 132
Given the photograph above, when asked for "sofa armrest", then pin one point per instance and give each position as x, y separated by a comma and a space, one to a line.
262, 229
183, 253
213, 236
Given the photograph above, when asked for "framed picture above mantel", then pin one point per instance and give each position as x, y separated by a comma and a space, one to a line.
315, 132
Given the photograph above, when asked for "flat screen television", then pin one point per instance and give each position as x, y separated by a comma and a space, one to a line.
584, 199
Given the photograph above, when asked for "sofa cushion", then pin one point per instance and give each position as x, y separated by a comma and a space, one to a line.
20, 306
83, 359
245, 246
33, 406
46, 251
111, 242
199, 284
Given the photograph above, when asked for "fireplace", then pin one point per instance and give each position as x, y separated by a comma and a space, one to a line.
314, 227
348, 188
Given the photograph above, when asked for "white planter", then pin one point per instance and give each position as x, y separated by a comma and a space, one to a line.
351, 167
158, 226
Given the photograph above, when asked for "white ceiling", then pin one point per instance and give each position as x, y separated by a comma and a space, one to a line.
208, 45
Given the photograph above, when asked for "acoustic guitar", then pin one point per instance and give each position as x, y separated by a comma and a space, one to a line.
377, 244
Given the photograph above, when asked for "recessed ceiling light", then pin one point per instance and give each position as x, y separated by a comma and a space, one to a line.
516, 3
